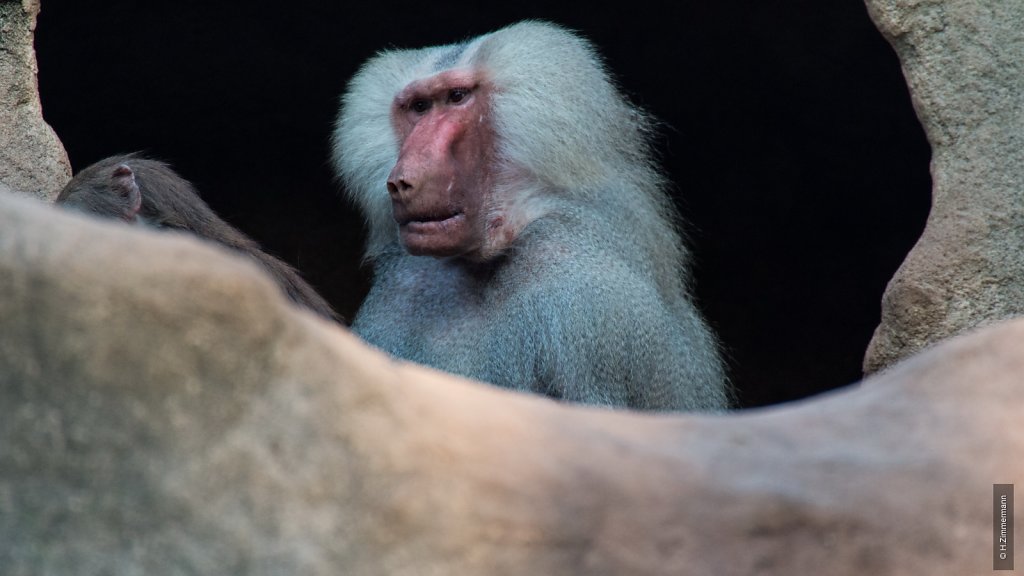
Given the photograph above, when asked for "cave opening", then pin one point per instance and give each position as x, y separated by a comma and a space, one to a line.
798, 164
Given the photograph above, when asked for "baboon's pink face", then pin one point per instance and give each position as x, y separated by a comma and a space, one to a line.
443, 176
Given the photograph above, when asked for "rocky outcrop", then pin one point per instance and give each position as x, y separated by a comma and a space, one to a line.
164, 410
32, 159
964, 63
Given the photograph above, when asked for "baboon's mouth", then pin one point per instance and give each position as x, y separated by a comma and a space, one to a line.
421, 223
406, 217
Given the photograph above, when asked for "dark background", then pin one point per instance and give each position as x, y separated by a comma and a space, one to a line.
797, 159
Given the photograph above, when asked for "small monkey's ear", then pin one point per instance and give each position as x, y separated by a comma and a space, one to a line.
123, 182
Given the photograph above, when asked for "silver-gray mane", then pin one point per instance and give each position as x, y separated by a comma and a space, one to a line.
563, 129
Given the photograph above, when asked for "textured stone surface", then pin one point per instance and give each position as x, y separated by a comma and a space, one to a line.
964, 63
164, 410
32, 159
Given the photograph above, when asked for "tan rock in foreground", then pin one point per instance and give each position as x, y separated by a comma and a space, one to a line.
964, 63
163, 410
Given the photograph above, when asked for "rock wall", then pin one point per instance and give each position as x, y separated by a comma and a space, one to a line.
164, 410
32, 159
964, 63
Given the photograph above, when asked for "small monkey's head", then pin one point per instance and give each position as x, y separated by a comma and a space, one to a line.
107, 188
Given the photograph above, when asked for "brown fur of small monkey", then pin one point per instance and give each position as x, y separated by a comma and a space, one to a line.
566, 274
168, 201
